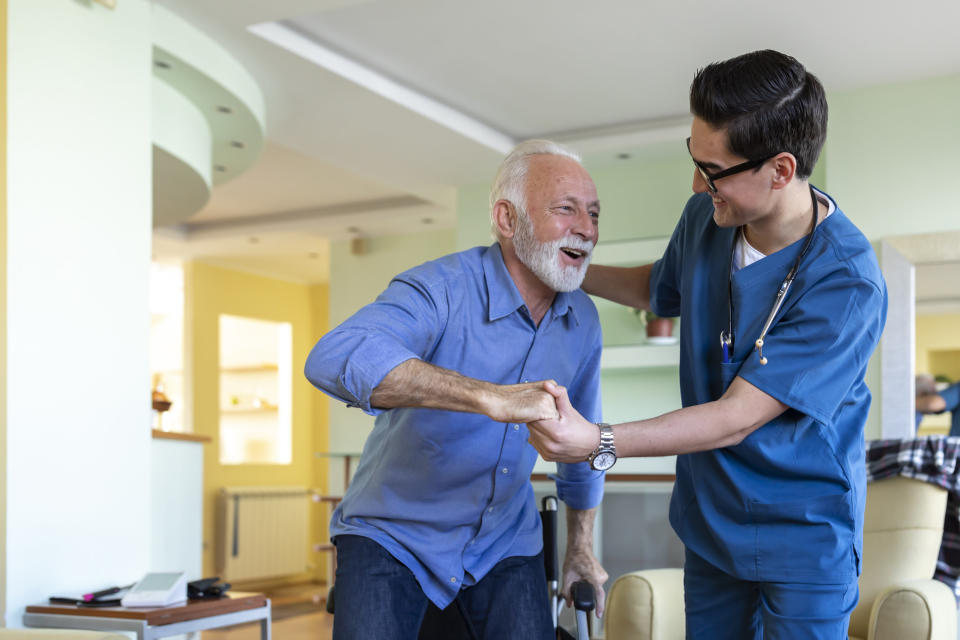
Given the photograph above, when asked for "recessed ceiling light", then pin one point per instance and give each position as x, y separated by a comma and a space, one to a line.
161, 63
223, 109
237, 144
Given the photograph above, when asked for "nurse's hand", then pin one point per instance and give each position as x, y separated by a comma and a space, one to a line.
569, 438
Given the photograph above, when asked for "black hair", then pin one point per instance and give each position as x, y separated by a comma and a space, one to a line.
767, 102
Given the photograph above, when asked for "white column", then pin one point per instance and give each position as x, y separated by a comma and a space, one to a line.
77, 455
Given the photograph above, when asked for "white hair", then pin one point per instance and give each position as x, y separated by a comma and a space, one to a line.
511, 180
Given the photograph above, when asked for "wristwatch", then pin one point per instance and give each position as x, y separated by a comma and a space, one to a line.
605, 455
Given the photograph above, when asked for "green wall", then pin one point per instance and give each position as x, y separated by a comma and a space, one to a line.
892, 156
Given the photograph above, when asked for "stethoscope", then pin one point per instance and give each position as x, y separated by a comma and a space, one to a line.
726, 337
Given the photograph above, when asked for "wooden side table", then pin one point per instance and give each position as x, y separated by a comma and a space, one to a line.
157, 622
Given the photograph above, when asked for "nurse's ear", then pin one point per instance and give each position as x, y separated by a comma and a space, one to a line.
784, 168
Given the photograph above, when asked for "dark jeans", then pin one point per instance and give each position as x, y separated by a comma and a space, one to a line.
378, 597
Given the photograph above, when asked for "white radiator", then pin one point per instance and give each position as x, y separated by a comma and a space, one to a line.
262, 532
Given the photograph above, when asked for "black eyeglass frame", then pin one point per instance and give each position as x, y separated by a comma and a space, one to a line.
710, 178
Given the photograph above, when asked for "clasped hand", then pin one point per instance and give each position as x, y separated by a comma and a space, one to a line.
566, 438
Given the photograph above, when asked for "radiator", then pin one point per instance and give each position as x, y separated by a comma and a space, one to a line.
262, 532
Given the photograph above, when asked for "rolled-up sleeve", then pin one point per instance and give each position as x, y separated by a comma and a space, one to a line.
403, 323
578, 485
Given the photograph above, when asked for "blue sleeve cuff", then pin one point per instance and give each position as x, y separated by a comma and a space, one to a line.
579, 486
369, 364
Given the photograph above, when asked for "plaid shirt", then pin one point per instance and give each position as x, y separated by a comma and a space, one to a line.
930, 459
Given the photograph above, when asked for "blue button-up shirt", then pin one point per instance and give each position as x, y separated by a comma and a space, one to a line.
446, 493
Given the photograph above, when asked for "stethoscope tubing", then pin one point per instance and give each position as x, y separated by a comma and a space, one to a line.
727, 341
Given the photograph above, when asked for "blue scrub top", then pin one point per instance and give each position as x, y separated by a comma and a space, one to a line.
786, 504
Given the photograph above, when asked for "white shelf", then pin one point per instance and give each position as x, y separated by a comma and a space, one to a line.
640, 356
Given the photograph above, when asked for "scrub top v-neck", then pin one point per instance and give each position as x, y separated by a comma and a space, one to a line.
786, 504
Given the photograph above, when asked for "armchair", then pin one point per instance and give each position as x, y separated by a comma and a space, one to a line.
899, 600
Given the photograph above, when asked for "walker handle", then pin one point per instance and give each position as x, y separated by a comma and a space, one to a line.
549, 517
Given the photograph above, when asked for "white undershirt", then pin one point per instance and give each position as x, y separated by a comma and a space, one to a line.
745, 254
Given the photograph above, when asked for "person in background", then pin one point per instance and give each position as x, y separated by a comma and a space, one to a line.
929, 400
451, 360
782, 304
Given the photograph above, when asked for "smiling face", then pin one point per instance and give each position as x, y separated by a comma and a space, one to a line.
557, 235
740, 198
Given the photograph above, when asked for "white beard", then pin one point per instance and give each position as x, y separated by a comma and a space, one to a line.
542, 258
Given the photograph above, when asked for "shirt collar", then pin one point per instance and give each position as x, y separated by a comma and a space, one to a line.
503, 297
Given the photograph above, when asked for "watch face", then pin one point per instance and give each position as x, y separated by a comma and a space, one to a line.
603, 461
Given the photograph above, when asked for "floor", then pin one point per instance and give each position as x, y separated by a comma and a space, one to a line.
298, 614
311, 626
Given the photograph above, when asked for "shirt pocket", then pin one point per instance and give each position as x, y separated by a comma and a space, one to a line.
728, 371
806, 539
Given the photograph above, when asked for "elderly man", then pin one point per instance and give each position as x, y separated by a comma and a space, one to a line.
441, 508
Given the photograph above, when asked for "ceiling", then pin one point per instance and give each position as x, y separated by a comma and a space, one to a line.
346, 157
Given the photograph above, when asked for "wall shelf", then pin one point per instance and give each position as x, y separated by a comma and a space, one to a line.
640, 356
270, 409
252, 368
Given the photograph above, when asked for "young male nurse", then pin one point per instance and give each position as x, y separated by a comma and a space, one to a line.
782, 304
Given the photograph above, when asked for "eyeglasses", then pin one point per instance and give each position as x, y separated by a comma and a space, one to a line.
711, 178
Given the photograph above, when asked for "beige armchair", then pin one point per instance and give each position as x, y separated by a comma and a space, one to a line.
899, 600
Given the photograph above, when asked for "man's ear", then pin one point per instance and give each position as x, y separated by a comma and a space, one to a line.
785, 167
505, 218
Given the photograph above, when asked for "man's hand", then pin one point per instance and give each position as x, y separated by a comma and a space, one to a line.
569, 438
581, 564
522, 402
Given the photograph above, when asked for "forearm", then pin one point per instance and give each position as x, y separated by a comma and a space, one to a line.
629, 286
712, 425
580, 529
931, 403
415, 383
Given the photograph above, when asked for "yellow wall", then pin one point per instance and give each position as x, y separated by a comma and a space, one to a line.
3, 305
209, 292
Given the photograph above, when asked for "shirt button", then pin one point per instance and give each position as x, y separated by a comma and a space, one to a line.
453, 579
516, 427
504, 470
489, 509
